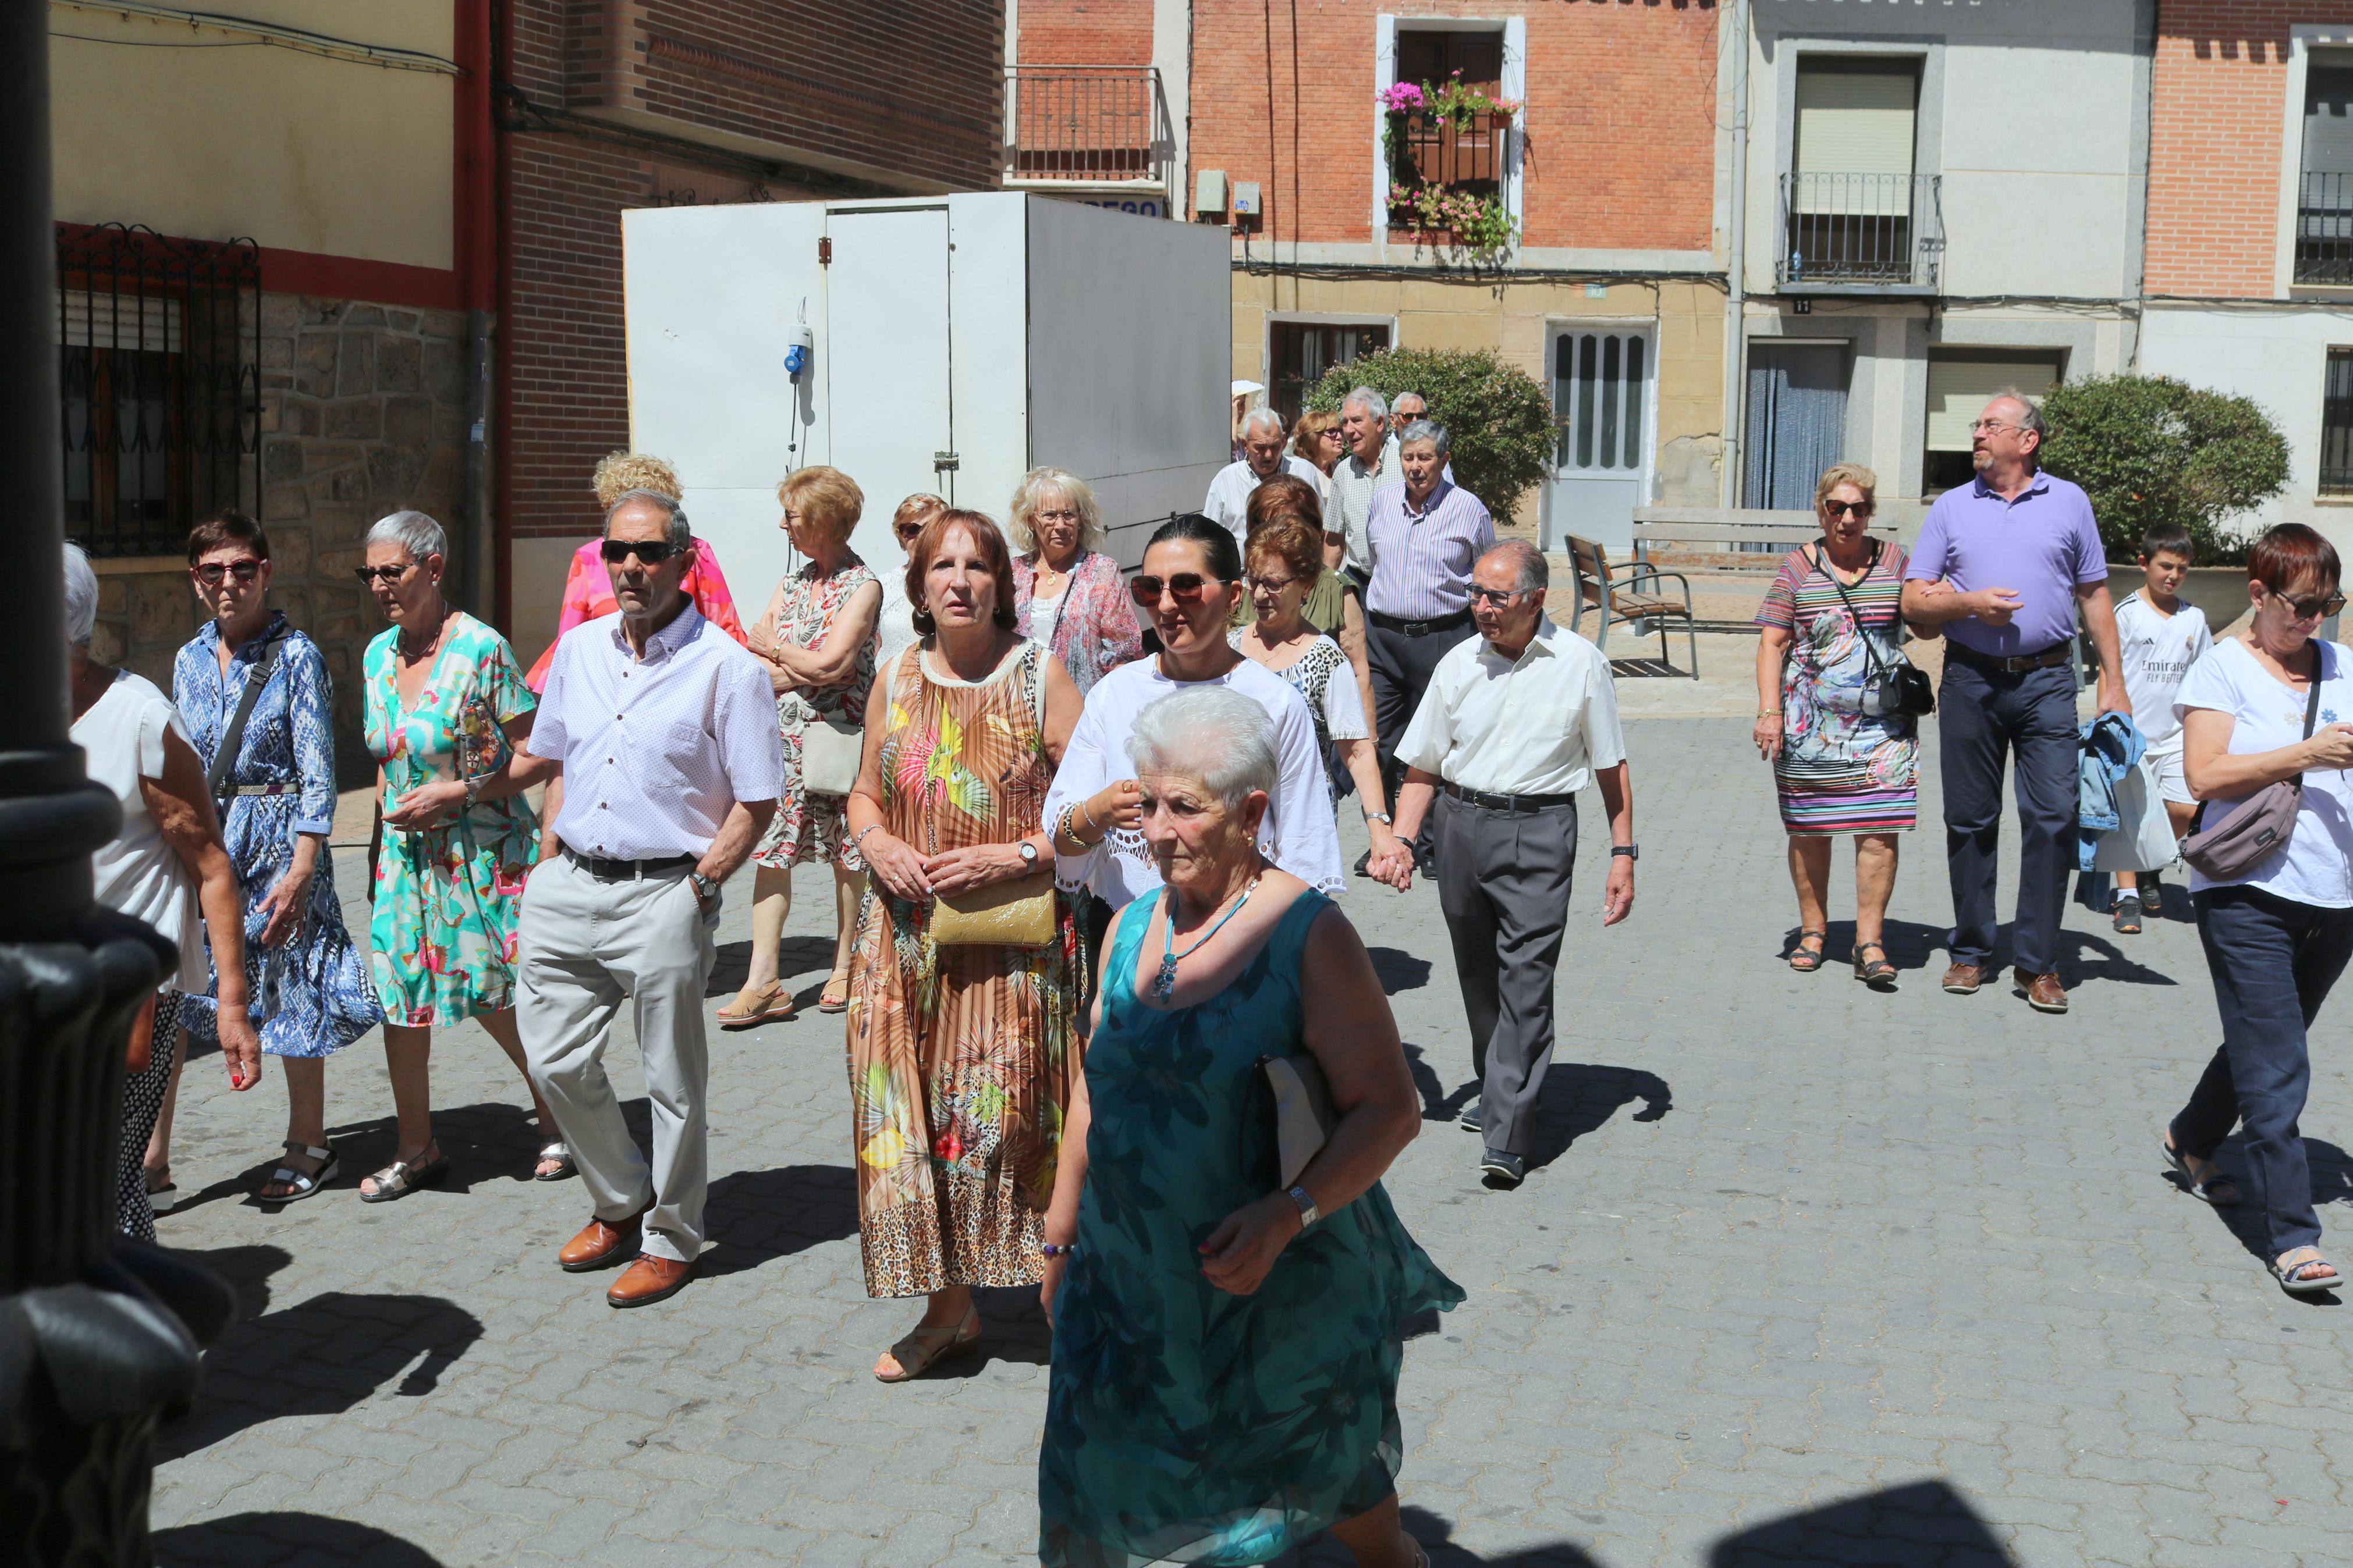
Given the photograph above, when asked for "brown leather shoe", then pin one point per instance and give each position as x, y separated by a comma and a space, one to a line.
2045, 994
648, 1280
1963, 979
600, 1243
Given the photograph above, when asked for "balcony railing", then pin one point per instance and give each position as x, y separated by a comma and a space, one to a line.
1881, 230
1100, 125
2324, 229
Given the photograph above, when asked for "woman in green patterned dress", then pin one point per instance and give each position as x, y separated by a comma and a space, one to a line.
446, 707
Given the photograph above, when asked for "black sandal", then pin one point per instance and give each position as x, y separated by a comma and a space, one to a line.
1806, 960
1876, 972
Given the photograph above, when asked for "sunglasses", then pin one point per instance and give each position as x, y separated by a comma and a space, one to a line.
1847, 507
1186, 587
652, 552
384, 575
2311, 609
211, 573
909, 534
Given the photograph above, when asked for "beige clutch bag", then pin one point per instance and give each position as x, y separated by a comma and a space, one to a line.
1018, 913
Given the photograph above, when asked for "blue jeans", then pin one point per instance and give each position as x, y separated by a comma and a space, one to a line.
2273, 961
1981, 717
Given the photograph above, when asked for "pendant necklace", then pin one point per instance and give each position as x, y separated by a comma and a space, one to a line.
1164, 985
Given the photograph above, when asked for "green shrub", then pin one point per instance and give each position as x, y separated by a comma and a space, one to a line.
1497, 417
2149, 449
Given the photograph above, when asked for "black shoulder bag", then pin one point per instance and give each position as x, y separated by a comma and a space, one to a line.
256, 676
1901, 693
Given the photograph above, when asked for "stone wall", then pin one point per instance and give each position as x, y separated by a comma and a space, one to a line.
363, 413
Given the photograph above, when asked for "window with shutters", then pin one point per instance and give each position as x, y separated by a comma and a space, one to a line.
1855, 208
1961, 382
2323, 205
2336, 424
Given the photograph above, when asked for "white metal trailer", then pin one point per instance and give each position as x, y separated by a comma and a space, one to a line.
955, 342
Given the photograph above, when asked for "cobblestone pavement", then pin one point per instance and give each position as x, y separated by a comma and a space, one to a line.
1808, 1275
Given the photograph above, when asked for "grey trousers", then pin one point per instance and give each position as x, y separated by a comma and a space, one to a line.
1502, 883
585, 944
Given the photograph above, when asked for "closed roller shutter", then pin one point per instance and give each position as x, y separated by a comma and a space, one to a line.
1852, 124
1959, 385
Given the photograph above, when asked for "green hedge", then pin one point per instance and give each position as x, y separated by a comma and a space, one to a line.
2150, 449
1497, 417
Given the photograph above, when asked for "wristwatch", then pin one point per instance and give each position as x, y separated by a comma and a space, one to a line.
473, 793
705, 890
1308, 1213
1631, 852
1383, 817
1027, 851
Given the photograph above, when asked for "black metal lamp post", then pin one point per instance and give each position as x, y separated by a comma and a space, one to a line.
97, 1339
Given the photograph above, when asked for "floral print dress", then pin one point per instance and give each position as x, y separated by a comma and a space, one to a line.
310, 995
449, 897
811, 828
1093, 630
960, 1057
1841, 770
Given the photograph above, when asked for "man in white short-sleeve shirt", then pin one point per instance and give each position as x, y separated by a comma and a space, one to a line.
1262, 459
1513, 724
671, 766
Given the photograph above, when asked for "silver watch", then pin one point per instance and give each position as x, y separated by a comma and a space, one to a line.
1027, 851
1308, 1213
1383, 817
704, 887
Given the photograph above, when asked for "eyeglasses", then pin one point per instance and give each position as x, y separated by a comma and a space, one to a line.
1495, 598
1987, 426
1269, 585
1847, 507
652, 552
909, 534
384, 575
2313, 609
1186, 587
211, 573
1061, 514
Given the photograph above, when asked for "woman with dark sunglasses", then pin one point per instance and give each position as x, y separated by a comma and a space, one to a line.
447, 711
1190, 587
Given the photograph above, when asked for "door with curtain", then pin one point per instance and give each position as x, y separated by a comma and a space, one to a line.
1796, 421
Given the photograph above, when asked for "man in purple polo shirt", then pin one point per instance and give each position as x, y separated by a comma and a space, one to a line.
2003, 564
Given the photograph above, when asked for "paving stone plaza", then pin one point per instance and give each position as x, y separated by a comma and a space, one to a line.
1808, 1275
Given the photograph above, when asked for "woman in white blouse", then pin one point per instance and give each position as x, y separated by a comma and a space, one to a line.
167, 866
2277, 937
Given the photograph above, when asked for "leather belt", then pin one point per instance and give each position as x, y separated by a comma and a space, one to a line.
1507, 802
1419, 628
627, 870
2056, 654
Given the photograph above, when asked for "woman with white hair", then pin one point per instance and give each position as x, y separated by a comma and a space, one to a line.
445, 710
167, 866
1196, 1285
1068, 594
255, 695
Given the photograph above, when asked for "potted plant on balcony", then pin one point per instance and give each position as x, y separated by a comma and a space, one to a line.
1444, 147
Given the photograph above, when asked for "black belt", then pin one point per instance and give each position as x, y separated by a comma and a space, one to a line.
2056, 654
1507, 802
1419, 628
627, 870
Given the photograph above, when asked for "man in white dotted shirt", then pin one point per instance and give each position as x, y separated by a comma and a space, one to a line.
665, 730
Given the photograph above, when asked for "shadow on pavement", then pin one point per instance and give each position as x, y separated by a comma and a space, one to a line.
2332, 1181
1399, 970
1579, 1097
755, 1216
319, 1357
1437, 1104
270, 1540
1910, 944
796, 955
1434, 1531
1925, 1525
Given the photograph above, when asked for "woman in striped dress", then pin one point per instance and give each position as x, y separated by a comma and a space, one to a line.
1833, 611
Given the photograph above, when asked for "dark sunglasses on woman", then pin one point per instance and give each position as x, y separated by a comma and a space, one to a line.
1847, 507
211, 573
2308, 609
652, 552
1186, 586
383, 574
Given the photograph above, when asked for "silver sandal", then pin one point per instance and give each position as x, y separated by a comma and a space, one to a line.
2212, 1189
402, 1177
2291, 1276
558, 1152
304, 1183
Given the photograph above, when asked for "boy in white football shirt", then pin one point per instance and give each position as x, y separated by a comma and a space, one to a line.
2160, 635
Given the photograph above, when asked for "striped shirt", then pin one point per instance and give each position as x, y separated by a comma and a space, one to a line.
656, 751
1422, 560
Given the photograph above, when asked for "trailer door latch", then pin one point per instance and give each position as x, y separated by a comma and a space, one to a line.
943, 462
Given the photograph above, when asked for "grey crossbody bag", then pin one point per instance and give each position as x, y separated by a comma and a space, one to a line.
2260, 826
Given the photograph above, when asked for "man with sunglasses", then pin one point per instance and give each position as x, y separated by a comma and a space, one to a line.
665, 732
2004, 563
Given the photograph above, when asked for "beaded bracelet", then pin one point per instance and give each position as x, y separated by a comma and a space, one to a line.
1049, 1250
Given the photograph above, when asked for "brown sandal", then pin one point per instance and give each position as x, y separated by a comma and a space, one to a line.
752, 1008
926, 1347
831, 1000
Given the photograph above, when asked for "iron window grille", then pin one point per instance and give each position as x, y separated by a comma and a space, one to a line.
2336, 424
158, 383
2323, 230
1882, 230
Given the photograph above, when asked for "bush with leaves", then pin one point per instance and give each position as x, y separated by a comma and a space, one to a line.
2150, 449
1496, 417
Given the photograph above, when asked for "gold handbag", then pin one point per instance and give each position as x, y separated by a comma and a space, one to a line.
1016, 914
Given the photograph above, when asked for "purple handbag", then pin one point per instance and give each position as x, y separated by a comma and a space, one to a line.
2260, 826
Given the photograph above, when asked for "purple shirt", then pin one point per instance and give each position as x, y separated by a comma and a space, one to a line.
2042, 546
1422, 560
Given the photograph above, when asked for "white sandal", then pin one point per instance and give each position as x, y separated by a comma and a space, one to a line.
304, 1183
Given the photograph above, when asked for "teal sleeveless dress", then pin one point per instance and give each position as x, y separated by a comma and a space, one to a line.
1183, 1424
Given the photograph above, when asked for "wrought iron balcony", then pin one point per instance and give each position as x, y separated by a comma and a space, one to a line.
1862, 232
2324, 229
1090, 125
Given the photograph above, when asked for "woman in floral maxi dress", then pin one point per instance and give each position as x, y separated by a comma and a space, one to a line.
960, 1056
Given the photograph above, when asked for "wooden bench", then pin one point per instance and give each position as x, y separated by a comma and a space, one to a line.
1628, 593
1734, 526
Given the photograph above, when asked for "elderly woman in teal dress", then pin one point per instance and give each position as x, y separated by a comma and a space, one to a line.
1225, 1348
447, 708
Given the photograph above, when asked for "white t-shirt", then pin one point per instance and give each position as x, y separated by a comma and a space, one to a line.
1344, 705
1298, 833
1229, 492
2158, 650
2317, 865
140, 873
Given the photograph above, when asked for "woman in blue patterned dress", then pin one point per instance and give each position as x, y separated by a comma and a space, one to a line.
1225, 1347
308, 981
446, 708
